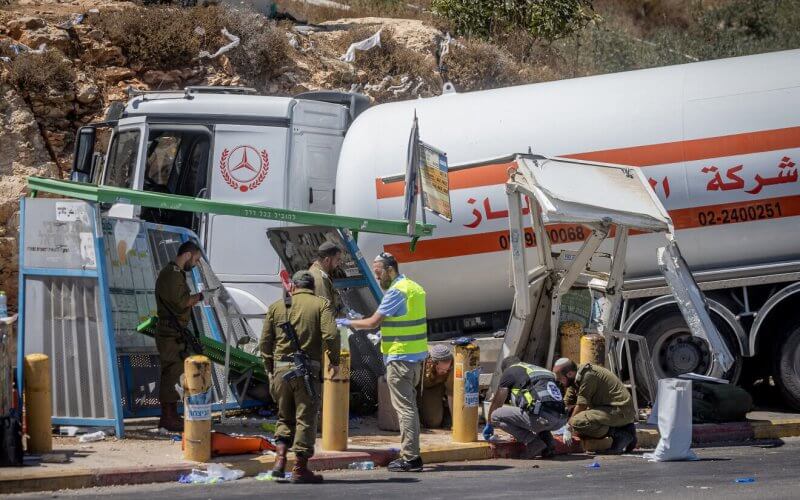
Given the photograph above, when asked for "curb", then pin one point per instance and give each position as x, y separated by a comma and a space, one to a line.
703, 434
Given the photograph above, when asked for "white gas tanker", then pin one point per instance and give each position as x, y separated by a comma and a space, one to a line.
718, 141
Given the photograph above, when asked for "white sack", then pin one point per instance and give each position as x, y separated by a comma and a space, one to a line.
674, 403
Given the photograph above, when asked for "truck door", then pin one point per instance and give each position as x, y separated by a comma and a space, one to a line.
249, 167
125, 162
317, 135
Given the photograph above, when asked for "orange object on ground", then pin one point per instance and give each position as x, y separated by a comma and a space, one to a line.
225, 444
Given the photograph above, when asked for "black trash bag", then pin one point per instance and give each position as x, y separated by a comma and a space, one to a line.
10, 441
718, 403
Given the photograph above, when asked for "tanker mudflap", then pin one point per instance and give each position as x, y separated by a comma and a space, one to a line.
693, 307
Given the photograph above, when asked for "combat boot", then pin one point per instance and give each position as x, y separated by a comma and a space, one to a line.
631, 428
550, 443
533, 449
301, 474
279, 470
622, 439
169, 418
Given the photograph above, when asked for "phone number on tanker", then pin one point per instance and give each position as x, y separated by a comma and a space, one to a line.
740, 214
563, 234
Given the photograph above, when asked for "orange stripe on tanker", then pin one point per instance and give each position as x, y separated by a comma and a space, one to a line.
639, 156
683, 218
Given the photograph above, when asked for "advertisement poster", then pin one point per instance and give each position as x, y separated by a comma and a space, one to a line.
435, 181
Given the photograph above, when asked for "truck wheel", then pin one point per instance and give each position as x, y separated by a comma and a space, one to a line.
675, 351
787, 373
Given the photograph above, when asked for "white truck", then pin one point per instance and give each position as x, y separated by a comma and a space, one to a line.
718, 141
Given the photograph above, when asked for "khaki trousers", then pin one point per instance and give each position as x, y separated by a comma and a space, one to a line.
403, 379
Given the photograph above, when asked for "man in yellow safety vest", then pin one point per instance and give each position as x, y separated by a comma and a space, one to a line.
402, 319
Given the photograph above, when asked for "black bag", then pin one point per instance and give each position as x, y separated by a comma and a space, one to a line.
719, 403
10, 441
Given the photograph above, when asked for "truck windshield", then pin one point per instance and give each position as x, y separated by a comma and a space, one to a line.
122, 159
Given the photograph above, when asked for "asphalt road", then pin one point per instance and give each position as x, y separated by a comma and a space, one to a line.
775, 470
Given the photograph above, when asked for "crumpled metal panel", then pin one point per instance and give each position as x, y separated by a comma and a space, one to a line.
693, 306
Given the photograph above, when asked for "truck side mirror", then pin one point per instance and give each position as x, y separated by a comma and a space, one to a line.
83, 161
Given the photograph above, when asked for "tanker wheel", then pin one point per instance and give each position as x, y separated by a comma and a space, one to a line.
787, 369
674, 351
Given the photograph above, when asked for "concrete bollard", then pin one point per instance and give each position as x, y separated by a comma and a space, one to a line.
593, 349
465, 393
336, 405
197, 408
38, 403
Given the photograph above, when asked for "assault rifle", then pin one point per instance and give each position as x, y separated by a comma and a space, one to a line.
299, 358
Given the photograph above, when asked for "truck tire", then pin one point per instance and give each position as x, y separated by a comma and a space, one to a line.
787, 369
674, 351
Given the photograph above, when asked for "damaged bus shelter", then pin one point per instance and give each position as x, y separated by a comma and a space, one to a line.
613, 201
87, 280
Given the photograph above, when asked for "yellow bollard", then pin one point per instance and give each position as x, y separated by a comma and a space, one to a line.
571, 332
38, 403
465, 393
336, 405
593, 349
197, 408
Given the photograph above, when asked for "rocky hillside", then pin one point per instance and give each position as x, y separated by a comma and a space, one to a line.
62, 63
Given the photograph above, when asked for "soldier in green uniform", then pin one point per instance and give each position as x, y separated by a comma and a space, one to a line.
601, 405
297, 410
174, 303
328, 258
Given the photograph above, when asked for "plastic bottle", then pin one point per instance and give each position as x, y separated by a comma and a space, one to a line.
344, 335
94, 436
3, 304
368, 465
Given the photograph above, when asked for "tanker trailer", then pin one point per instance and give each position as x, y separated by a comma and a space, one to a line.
718, 142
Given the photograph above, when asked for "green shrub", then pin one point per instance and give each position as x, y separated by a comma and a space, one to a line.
545, 19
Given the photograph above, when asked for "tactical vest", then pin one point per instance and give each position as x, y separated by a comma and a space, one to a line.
542, 391
407, 334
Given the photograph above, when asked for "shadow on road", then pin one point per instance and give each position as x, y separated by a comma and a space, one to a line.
391, 480
465, 468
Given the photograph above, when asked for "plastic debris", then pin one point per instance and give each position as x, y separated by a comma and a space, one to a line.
224, 472
267, 476
463, 341
68, 430
234, 43
367, 465
745, 480
215, 473
176, 437
366, 44
268, 427
594, 465
94, 436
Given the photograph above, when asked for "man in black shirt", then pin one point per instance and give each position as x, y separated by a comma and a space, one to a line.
537, 407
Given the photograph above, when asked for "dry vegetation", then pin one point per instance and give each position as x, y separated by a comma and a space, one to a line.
171, 37
39, 73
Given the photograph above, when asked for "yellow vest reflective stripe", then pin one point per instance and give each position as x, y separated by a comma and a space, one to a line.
407, 334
